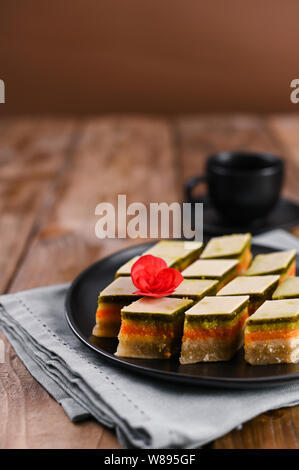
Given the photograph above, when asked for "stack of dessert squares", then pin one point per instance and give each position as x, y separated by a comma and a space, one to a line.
226, 300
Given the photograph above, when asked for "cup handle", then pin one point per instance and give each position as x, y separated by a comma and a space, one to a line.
190, 185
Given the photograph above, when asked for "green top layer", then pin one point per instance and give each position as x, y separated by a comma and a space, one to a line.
252, 286
225, 307
195, 288
210, 268
119, 288
288, 289
276, 311
227, 246
164, 308
125, 269
271, 263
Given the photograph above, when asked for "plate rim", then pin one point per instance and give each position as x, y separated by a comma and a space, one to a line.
223, 382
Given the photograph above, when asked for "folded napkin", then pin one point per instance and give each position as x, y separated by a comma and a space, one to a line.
145, 412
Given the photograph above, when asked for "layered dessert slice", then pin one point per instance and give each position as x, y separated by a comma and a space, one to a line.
259, 289
195, 289
222, 270
125, 269
280, 262
177, 254
272, 333
152, 328
110, 302
288, 289
213, 329
236, 246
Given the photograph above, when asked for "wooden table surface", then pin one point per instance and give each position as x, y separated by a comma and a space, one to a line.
53, 174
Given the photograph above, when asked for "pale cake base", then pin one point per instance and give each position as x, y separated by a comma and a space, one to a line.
211, 349
106, 329
150, 348
274, 351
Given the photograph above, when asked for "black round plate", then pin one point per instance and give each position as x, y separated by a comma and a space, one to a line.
284, 215
81, 305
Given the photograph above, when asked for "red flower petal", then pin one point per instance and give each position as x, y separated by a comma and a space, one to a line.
153, 278
170, 278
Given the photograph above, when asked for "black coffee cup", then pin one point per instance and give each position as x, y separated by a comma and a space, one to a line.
242, 186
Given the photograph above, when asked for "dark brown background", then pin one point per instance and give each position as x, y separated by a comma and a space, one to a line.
94, 56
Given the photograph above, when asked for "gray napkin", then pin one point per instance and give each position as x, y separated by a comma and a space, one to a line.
145, 412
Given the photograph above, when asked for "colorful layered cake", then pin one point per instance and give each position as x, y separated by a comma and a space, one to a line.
213, 329
110, 302
272, 333
280, 262
237, 246
177, 254
195, 289
152, 327
288, 289
259, 289
125, 269
222, 270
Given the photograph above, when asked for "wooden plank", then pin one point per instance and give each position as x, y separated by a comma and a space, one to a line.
276, 429
126, 156
116, 156
198, 137
31, 155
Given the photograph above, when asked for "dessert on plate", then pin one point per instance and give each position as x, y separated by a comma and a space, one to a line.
195, 289
177, 254
152, 327
125, 269
288, 289
213, 329
272, 333
222, 270
236, 246
259, 289
110, 302
280, 262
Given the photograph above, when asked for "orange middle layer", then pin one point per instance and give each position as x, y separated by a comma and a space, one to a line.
221, 332
291, 272
108, 312
245, 260
272, 334
130, 328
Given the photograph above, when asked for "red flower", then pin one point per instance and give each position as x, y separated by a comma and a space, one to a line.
153, 278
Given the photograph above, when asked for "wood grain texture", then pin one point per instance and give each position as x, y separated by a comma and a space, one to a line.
31, 155
113, 156
54, 174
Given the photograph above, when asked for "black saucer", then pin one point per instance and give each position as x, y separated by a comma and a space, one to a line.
284, 215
